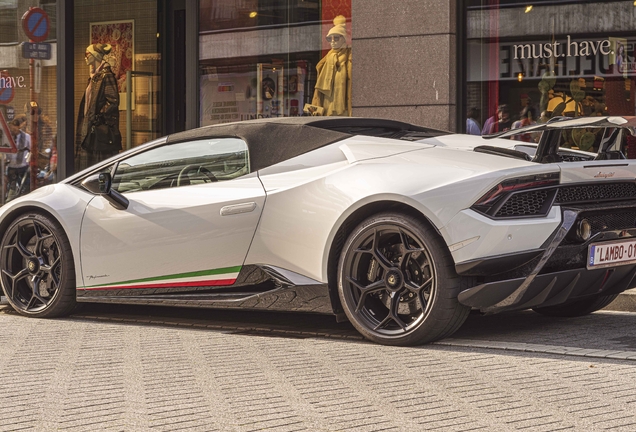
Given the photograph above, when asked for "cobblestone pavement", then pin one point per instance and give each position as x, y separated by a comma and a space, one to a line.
149, 369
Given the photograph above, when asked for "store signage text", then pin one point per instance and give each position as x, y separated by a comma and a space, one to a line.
557, 49
582, 61
224, 111
587, 66
587, 63
12, 82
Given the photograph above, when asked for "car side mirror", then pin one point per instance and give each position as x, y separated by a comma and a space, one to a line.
101, 184
91, 184
105, 182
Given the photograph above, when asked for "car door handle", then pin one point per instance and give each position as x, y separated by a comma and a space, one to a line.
238, 209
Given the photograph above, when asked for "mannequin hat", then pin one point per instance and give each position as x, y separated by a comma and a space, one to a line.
99, 50
339, 26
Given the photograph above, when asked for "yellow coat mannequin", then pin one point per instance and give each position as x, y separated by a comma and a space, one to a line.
333, 85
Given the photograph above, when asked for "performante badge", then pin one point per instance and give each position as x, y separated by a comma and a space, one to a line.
604, 175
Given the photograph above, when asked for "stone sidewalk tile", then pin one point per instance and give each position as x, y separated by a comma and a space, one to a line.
157, 374
161, 377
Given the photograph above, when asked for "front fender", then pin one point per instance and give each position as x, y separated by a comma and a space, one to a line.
63, 202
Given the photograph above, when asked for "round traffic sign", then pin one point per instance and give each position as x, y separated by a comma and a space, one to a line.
36, 24
6, 95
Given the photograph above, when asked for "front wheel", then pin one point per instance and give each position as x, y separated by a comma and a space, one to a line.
397, 282
577, 308
37, 269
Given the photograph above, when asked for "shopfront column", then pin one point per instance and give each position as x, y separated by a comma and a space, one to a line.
404, 63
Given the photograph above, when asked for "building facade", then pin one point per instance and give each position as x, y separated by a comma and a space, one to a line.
180, 64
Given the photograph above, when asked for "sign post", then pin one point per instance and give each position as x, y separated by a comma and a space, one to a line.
7, 145
38, 75
36, 25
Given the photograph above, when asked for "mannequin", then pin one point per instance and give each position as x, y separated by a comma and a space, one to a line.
333, 85
98, 135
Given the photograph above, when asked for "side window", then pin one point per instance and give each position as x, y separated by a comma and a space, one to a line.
183, 164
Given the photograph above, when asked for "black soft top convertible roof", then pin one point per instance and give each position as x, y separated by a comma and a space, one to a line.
271, 141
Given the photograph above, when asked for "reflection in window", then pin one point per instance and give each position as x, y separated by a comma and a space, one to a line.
29, 90
547, 61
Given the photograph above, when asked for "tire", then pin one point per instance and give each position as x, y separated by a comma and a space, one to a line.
577, 308
397, 282
37, 267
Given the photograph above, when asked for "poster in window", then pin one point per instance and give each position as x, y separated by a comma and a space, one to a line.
618, 55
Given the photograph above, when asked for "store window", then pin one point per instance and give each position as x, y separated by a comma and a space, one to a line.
529, 62
274, 58
28, 96
117, 78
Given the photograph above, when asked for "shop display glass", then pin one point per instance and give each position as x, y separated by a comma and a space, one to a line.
274, 58
527, 64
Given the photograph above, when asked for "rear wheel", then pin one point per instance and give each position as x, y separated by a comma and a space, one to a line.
577, 308
37, 269
397, 282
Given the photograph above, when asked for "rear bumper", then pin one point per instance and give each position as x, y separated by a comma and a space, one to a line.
548, 289
552, 275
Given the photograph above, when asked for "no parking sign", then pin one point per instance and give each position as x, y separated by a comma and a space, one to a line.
6, 95
36, 24
7, 89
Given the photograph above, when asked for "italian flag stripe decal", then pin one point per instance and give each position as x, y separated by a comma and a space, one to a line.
215, 277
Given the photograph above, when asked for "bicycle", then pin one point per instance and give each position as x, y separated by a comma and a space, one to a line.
19, 182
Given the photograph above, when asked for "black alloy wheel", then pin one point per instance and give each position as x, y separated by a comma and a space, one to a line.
397, 282
36, 265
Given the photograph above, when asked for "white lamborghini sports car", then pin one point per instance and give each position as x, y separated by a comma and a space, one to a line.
400, 229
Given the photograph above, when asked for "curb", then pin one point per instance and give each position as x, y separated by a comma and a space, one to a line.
626, 302
539, 348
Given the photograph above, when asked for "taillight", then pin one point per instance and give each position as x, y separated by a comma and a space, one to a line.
495, 198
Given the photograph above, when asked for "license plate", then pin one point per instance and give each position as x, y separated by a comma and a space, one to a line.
611, 254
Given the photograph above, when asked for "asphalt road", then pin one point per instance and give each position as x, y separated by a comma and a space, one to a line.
136, 369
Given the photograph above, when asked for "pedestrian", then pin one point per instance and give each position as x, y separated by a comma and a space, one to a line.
503, 122
18, 162
492, 120
472, 127
526, 118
